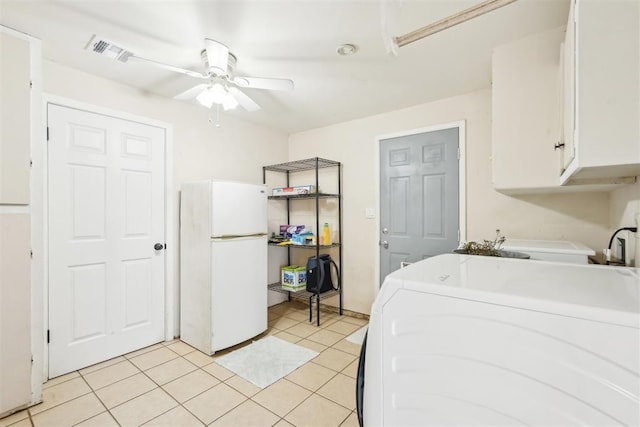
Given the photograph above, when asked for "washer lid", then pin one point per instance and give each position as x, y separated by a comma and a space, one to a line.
593, 292
548, 246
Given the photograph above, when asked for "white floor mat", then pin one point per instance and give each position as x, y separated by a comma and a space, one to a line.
265, 361
358, 336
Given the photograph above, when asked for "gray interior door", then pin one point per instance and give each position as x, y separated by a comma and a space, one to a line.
419, 197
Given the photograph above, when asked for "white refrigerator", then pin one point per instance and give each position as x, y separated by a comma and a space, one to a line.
223, 263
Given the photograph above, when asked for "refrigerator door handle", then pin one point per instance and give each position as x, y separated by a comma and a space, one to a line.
238, 236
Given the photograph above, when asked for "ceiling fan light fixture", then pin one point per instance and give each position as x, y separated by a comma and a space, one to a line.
346, 49
205, 98
229, 103
218, 93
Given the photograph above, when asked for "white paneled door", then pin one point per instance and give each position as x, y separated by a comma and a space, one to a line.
106, 208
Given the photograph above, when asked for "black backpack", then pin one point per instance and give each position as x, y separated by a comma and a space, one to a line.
319, 273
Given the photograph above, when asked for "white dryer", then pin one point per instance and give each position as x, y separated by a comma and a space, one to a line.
482, 341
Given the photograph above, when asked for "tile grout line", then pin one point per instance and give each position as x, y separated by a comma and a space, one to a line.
225, 413
330, 399
59, 404
30, 418
99, 363
304, 400
281, 417
99, 400
322, 385
140, 371
199, 368
115, 382
202, 392
160, 387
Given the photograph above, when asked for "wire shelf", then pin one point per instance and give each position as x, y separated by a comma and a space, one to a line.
301, 295
333, 245
312, 164
305, 196
302, 165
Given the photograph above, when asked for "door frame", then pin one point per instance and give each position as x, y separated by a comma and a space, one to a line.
40, 215
460, 125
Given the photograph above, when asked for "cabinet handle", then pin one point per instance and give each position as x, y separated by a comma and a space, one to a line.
558, 145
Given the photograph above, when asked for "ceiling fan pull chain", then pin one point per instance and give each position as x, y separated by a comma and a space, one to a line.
217, 124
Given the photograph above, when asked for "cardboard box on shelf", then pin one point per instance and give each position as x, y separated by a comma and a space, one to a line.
294, 278
292, 191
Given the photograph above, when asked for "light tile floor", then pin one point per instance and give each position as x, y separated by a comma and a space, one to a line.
172, 384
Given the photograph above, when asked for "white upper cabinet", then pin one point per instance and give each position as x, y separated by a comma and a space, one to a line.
15, 113
566, 103
526, 110
602, 91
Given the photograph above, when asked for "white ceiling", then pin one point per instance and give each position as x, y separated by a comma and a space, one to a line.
294, 39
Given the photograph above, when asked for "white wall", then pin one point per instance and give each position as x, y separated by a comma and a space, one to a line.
237, 150
625, 205
582, 217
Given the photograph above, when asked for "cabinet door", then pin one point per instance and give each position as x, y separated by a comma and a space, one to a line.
569, 110
525, 110
14, 119
15, 314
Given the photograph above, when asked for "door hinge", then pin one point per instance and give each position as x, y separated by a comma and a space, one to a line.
47, 133
48, 336
30, 84
30, 163
458, 153
31, 254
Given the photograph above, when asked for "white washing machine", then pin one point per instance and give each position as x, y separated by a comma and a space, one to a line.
483, 341
551, 250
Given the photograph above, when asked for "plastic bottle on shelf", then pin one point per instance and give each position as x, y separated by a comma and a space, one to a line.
326, 234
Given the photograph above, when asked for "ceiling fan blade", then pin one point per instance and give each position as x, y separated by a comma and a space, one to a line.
191, 93
217, 56
263, 83
244, 101
170, 67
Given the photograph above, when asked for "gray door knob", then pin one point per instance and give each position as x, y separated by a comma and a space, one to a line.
385, 244
158, 246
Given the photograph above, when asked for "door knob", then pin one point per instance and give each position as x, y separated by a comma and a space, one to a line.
158, 246
385, 244
385, 230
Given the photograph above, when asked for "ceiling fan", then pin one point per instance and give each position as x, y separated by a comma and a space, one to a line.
221, 86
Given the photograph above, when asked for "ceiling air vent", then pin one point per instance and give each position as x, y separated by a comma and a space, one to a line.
106, 48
